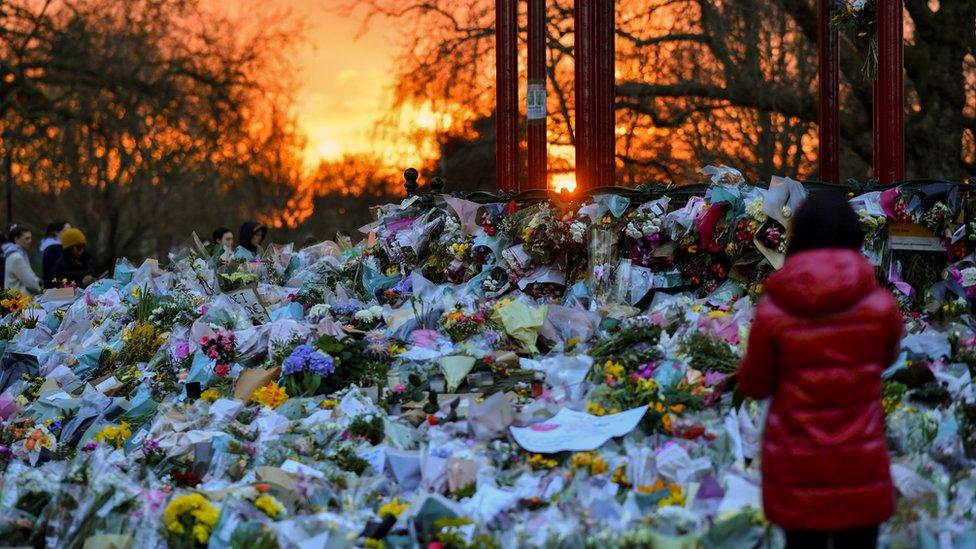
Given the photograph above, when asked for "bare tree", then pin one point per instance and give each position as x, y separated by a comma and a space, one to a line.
700, 81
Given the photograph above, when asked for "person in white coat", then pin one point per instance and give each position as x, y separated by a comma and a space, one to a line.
18, 272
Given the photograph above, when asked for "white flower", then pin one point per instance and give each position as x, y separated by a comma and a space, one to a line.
787, 211
858, 5
577, 230
369, 315
754, 209
318, 311
968, 277
632, 231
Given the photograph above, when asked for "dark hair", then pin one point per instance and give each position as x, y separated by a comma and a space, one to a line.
826, 220
15, 231
55, 227
219, 233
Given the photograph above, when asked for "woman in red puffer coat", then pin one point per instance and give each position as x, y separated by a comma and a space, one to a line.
819, 342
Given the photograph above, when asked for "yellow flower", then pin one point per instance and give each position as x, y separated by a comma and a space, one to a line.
596, 409
271, 395
620, 475
329, 403
195, 507
393, 507
647, 385
675, 496
137, 292
374, 544
537, 462
270, 505
210, 395
590, 461
116, 435
395, 350
572, 342
666, 422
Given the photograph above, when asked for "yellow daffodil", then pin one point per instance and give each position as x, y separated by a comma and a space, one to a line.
271, 395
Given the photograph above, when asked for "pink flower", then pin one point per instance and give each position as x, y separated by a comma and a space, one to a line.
204, 341
182, 350
398, 388
182, 375
222, 370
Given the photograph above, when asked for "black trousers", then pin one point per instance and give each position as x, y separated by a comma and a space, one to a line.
859, 538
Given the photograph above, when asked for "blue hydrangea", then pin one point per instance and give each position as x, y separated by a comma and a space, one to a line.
347, 309
306, 358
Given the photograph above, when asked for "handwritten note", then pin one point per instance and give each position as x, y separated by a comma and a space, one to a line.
248, 298
574, 431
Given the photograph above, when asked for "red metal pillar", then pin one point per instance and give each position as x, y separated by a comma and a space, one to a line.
889, 95
506, 95
829, 81
595, 81
604, 95
536, 95
583, 59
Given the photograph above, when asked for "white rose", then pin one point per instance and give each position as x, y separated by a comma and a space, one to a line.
968, 276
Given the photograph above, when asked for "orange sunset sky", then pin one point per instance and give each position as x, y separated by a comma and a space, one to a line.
343, 76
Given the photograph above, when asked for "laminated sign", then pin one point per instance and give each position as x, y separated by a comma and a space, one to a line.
913, 237
248, 298
535, 100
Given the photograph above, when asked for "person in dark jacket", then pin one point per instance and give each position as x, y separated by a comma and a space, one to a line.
51, 248
250, 237
75, 264
820, 339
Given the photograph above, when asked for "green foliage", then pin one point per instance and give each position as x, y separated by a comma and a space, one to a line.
369, 428
709, 353
352, 364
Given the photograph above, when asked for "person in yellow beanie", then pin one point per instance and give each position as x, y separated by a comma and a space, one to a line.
74, 267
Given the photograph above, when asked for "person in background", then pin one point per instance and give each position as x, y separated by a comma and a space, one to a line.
250, 237
18, 274
51, 247
222, 236
75, 264
820, 339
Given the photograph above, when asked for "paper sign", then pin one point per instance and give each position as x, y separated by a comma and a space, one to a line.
913, 237
251, 380
641, 282
535, 100
59, 294
574, 431
248, 298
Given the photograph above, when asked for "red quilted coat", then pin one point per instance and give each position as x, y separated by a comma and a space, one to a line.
818, 345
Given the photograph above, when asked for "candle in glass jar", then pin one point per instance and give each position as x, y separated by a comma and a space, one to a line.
438, 384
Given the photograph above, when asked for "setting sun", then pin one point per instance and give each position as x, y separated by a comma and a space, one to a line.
564, 182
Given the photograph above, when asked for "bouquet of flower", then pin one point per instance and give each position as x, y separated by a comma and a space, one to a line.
461, 325
368, 318
304, 370
139, 343
937, 218
545, 235
189, 520
179, 308
221, 348
859, 18
13, 302
773, 236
